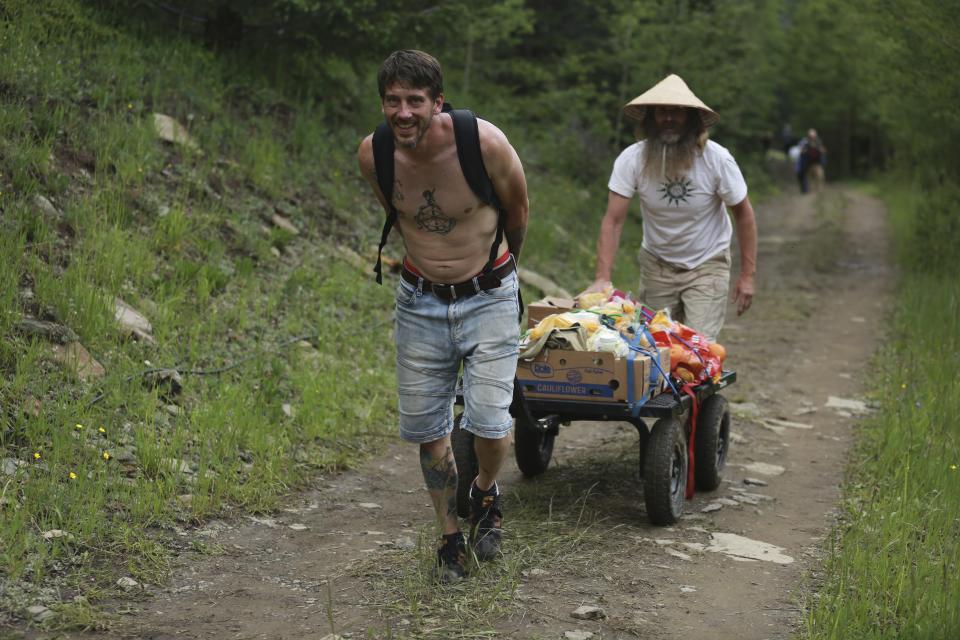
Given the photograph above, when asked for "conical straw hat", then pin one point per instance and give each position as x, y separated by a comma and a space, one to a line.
671, 91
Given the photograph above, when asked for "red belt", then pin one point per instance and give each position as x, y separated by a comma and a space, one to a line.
450, 292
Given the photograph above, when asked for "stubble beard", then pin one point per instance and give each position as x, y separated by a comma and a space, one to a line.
669, 154
411, 143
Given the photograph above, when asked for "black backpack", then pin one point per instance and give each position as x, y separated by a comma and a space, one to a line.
467, 136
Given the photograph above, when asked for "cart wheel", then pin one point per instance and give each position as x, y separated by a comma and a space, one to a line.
467, 466
712, 442
665, 472
534, 445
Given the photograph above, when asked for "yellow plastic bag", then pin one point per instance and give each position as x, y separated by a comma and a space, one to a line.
662, 322
565, 320
589, 300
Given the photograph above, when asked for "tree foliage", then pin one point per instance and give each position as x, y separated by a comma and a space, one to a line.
560, 71
876, 77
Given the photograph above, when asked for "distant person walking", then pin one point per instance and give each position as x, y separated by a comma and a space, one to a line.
813, 158
685, 183
457, 298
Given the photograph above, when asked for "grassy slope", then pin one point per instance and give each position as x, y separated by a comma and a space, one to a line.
255, 317
259, 316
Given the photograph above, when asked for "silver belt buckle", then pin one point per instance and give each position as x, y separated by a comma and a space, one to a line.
449, 293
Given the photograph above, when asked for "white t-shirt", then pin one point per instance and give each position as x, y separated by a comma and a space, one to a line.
685, 220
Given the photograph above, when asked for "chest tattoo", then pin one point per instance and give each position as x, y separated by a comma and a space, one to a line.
430, 217
397, 192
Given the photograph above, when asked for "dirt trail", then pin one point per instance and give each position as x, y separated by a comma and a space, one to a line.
814, 326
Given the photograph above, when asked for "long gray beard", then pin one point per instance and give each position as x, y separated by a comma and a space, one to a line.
663, 159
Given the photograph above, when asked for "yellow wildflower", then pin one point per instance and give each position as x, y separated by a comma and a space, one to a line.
101, 430
953, 467
36, 455
106, 455
78, 426
73, 476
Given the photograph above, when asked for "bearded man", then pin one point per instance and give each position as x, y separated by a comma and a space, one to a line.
685, 183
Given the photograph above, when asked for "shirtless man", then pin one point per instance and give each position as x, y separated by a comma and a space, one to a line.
452, 306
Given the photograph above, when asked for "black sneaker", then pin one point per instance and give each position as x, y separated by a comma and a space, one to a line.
485, 517
451, 559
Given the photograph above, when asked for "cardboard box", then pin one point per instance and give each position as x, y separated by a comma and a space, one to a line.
537, 311
589, 376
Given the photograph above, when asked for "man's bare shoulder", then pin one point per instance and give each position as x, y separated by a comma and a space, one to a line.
498, 154
491, 136
365, 152
368, 167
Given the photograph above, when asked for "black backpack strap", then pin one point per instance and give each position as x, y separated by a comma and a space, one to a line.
383, 164
467, 134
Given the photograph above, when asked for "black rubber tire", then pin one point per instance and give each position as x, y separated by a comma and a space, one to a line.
712, 442
665, 472
533, 446
467, 465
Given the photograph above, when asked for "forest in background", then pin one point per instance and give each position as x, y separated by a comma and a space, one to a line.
873, 76
277, 95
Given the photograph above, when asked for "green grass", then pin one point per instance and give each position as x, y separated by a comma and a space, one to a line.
254, 317
261, 323
893, 569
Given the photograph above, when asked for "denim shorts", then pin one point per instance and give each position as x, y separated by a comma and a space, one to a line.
434, 337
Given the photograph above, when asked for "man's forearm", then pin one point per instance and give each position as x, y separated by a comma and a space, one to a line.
747, 238
609, 239
607, 244
748, 263
746, 223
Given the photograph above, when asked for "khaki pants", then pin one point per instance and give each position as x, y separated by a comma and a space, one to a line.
696, 297
815, 177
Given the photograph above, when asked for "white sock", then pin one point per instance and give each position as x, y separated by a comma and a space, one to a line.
495, 489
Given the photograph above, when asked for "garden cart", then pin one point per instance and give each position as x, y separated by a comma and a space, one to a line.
673, 427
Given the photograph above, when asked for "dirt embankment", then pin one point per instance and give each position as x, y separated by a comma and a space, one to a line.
347, 555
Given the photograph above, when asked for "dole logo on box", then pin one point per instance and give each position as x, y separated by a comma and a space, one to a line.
542, 370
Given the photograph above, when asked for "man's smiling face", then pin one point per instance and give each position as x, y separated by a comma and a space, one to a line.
409, 112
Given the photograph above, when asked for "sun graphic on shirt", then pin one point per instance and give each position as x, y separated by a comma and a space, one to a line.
675, 189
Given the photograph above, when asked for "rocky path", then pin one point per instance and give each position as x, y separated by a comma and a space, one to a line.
346, 557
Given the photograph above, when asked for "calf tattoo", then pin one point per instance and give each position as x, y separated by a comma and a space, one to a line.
440, 475
430, 217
